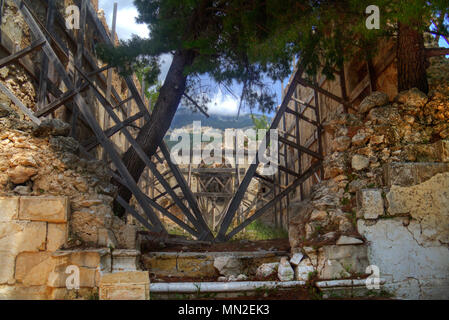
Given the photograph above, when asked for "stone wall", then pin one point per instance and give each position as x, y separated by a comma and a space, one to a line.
34, 258
384, 200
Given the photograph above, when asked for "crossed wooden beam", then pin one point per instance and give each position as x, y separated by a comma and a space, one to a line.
193, 221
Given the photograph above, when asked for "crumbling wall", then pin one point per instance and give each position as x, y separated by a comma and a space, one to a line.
384, 200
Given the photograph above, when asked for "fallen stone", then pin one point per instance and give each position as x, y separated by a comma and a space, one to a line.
285, 270
341, 143
242, 277
344, 240
376, 99
296, 259
267, 269
6, 110
53, 127
412, 98
228, 265
359, 162
303, 270
21, 174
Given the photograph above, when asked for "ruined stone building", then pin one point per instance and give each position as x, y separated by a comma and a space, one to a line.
362, 185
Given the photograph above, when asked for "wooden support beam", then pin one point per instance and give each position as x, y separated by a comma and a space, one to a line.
328, 94
19, 104
302, 117
60, 101
301, 148
92, 142
44, 62
236, 200
84, 109
35, 45
306, 175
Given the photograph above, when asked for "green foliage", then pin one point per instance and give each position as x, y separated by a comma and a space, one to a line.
260, 231
245, 42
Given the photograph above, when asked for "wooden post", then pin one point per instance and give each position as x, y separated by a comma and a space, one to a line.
109, 79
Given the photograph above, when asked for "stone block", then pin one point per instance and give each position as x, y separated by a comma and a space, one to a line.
406, 174
370, 203
9, 208
125, 286
89, 258
89, 278
57, 234
20, 292
427, 203
20, 236
33, 268
342, 261
124, 260
7, 266
49, 209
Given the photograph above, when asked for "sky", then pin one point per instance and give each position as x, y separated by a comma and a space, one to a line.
222, 103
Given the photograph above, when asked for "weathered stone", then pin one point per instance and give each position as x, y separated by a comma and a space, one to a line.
370, 203
412, 98
54, 127
376, 139
9, 207
427, 203
359, 139
340, 261
106, 238
7, 267
285, 270
266, 270
20, 292
402, 253
303, 270
22, 190
242, 277
21, 174
6, 110
359, 162
33, 268
345, 240
376, 99
341, 143
228, 265
296, 258
318, 215
125, 286
20, 236
50, 209
57, 234
124, 260
58, 277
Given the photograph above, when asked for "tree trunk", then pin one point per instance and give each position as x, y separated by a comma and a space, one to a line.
153, 132
411, 60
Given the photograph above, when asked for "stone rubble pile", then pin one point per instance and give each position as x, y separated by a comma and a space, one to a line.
44, 161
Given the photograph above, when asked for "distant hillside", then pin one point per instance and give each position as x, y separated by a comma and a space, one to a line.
185, 117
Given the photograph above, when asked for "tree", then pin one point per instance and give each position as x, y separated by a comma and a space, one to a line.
247, 41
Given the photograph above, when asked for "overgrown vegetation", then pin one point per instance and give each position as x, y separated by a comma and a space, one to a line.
260, 231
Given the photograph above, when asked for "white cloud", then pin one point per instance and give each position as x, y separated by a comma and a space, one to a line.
126, 18
222, 104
